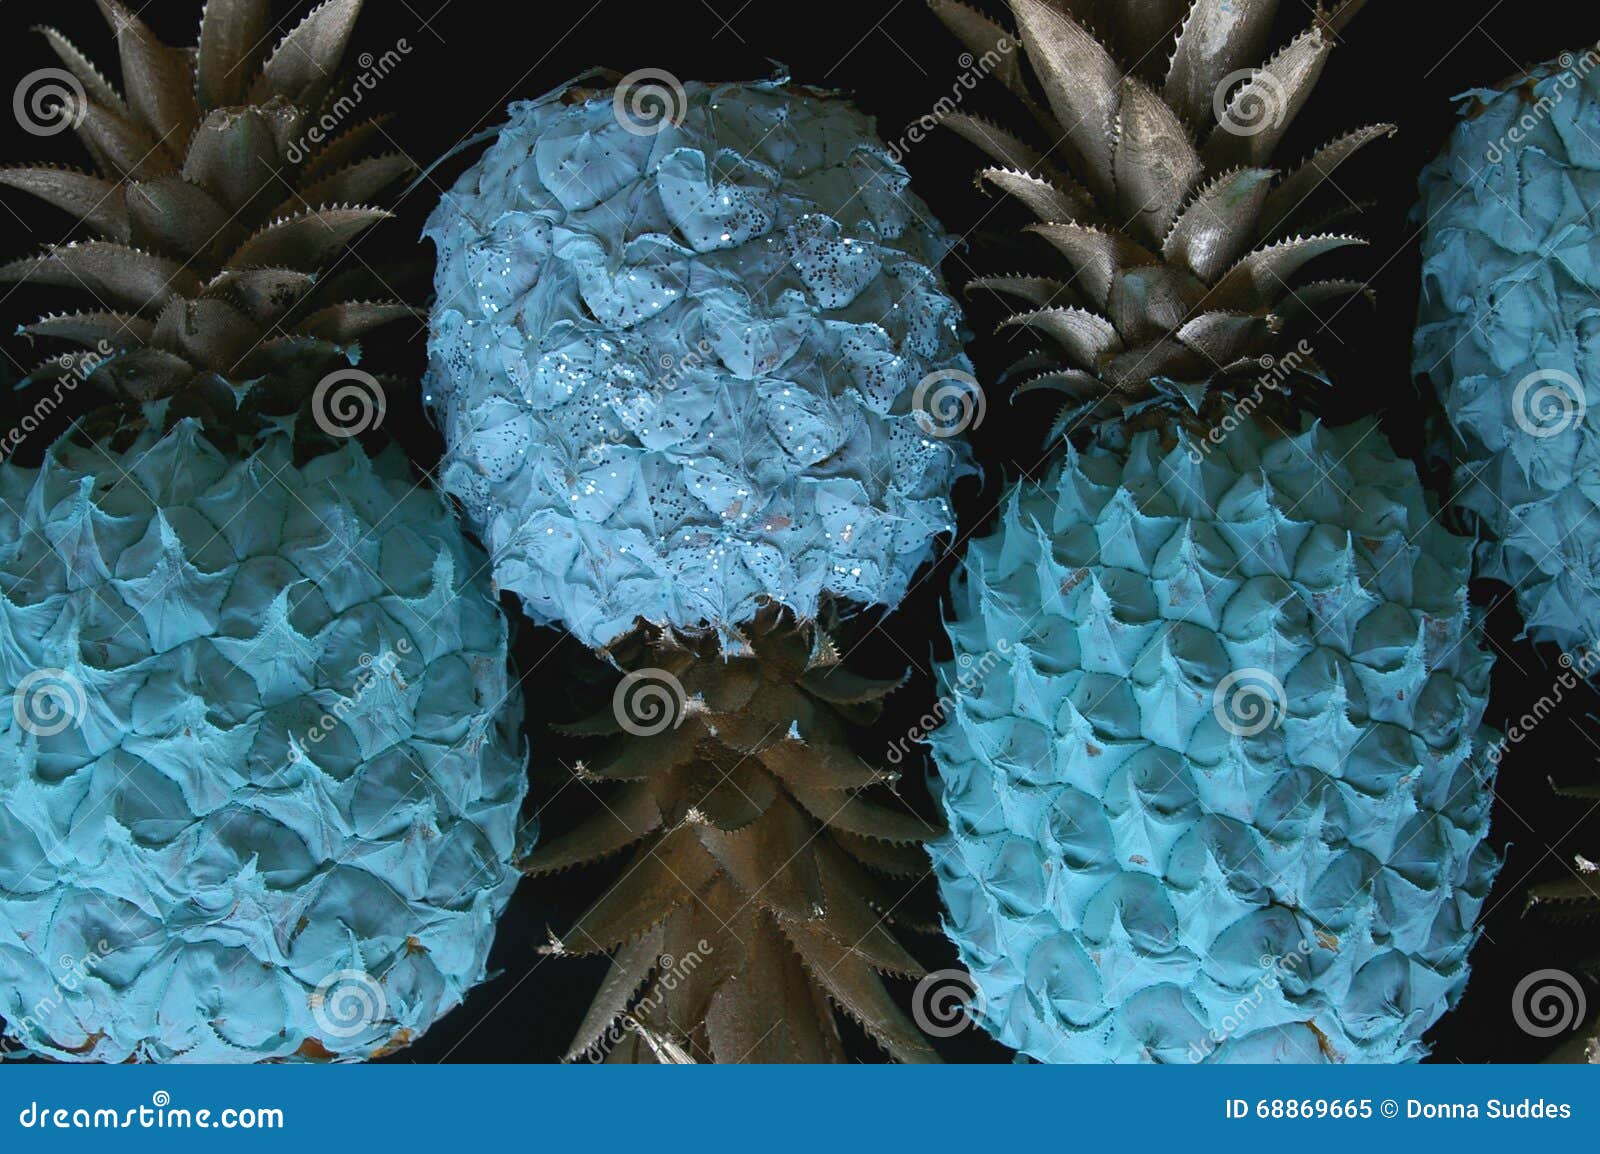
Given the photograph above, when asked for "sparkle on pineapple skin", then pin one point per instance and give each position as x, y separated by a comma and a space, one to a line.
673, 372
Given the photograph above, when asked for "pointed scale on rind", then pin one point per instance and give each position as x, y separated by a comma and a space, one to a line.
1219, 38
1080, 80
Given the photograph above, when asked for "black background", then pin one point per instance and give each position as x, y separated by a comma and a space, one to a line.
1403, 61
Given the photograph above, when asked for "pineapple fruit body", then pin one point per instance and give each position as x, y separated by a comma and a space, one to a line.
1508, 337
260, 760
1212, 769
676, 370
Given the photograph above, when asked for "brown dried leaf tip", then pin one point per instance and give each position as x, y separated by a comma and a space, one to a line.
754, 902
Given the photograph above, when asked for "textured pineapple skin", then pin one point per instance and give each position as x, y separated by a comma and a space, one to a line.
1509, 283
297, 753
1129, 880
674, 372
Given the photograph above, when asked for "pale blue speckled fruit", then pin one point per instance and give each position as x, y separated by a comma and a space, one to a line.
1509, 336
1212, 767
260, 761
675, 370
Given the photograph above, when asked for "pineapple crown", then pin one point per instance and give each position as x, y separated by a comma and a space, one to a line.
219, 204
1186, 246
